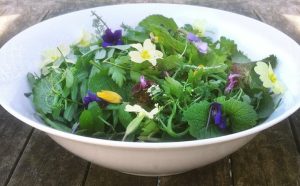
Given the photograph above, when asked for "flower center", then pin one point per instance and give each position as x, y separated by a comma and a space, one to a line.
272, 77
145, 55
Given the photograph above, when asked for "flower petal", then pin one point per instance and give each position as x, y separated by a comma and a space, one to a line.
135, 56
109, 96
137, 46
148, 45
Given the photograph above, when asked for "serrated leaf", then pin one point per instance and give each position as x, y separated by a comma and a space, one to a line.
118, 75
170, 62
241, 115
197, 115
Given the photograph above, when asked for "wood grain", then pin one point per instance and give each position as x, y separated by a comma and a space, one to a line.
214, 174
45, 163
270, 159
101, 176
13, 138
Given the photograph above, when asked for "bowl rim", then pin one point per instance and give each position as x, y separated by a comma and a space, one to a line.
154, 145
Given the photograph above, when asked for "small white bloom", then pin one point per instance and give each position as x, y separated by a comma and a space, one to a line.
84, 39
138, 109
145, 52
153, 90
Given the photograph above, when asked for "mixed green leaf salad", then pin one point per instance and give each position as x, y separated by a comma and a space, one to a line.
154, 82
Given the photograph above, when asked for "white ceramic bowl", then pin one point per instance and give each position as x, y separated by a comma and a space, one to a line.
22, 54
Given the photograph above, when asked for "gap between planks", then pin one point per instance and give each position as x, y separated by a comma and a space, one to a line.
19, 157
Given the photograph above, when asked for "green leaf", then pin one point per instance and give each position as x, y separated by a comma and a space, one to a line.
150, 127
120, 47
124, 117
70, 111
45, 95
100, 54
133, 125
266, 106
197, 115
167, 23
117, 74
227, 46
240, 57
272, 59
31, 79
241, 115
170, 62
69, 78
86, 120
55, 124
172, 87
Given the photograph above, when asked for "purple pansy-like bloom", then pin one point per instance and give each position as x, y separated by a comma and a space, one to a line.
232, 81
142, 85
199, 44
216, 113
111, 39
90, 98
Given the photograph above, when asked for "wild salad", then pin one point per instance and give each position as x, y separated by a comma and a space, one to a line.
155, 82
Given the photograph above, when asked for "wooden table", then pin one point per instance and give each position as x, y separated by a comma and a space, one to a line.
29, 157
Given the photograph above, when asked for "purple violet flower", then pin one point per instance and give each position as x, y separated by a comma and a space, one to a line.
111, 39
199, 44
232, 81
142, 85
90, 98
216, 113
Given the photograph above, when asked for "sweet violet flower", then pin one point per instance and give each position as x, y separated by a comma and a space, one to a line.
216, 113
142, 85
198, 43
232, 81
90, 98
111, 39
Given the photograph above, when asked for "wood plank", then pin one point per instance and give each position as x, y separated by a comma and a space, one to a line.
101, 176
295, 125
214, 174
270, 159
45, 163
13, 137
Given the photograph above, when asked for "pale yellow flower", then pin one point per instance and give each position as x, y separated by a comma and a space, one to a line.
142, 112
199, 27
268, 77
145, 52
52, 55
84, 39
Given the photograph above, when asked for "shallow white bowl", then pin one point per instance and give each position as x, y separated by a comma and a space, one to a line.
22, 54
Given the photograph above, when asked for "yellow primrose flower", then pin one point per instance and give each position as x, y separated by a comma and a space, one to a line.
109, 96
147, 52
54, 54
268, 77
199, 27
84, 39
138, 109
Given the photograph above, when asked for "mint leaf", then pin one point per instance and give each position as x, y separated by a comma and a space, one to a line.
167, 23
241, 115
118, 75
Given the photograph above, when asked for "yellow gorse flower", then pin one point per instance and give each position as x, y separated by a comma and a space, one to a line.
109, 96
145, 52
268, 77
